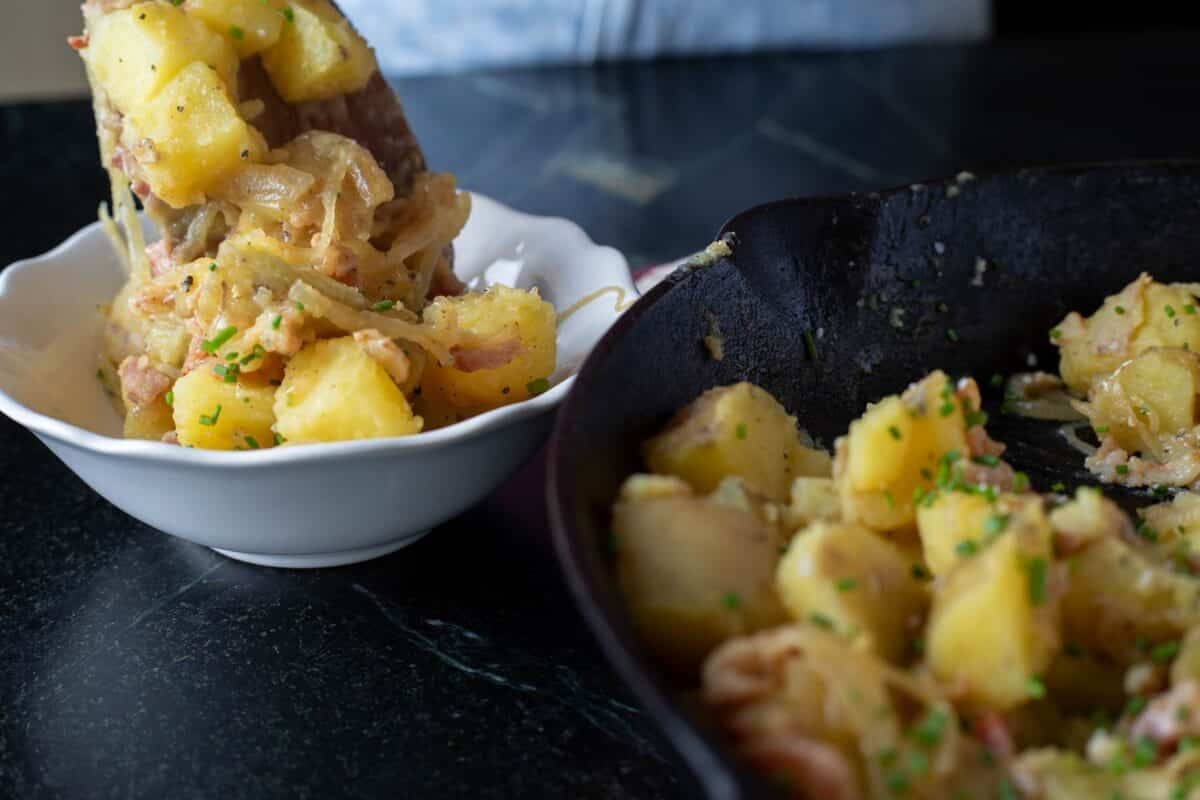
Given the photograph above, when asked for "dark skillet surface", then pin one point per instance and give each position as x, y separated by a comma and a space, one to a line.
885, 284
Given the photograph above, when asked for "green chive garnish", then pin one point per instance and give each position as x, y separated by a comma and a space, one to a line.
211, 346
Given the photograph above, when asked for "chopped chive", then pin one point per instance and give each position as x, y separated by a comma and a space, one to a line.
979, 418
1035, 570
820, 620
211, 346
299, 306
986, 460
258, 352
995, 524
279, 440
1035, 688
966, 548
894, 431
1122, 469
537, 387
741, 430
1101, 429
1169, 311
209, 421
1020, 482
276, 322
1119, 309
891, 501
920, 572
227, 372
732, 601
1055, 333
810, 345
846, 584
251, 442
1146, 532
1145, 752
947, 409
1189, 309
929, 729
212, 267
1136, 705
952, 334
288, 14
384, 305
170, 398
236, 32
1058, 486
231, 356
1165, 652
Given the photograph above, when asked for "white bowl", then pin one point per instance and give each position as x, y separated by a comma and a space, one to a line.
295, 506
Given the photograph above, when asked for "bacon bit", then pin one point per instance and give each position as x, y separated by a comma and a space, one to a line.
386, 353
159, 254
78, 42
141, 384
445, 283
141, 189
811, 768
472, 359
991, 729
170, 437
1171, 716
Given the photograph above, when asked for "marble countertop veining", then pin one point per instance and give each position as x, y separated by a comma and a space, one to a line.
135, 665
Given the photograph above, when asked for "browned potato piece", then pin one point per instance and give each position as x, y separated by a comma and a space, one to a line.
694, 570
851, 580
735, 430
1143, 315
1150, 396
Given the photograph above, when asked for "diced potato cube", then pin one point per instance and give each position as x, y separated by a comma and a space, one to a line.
150, 422
513, 329
333, 391
1150, 396
1144, 314
252, 25
1117, 596
319, 55
197, 135
134, 52
212, 414
852, 581
683, 608
1176, 531
896, 448
994, 623
732, 430
954, 518
812, 500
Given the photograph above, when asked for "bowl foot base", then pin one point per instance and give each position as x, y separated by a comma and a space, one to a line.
317, 560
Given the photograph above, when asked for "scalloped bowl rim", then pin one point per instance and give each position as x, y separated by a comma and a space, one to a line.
143, 450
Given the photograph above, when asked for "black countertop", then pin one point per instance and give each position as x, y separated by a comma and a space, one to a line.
133, 664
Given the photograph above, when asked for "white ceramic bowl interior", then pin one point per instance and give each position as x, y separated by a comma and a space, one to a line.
294, 506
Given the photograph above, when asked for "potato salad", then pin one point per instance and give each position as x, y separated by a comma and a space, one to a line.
300, 284
911, 618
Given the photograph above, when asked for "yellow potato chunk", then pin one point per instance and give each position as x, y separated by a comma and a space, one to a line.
894, 452
1117, 595
212, 414
251, 25
944, 525
149, 422
1175, 527
513, 328
1143, 315
319, 55
851, 580
994, 624
1150, 396
732, 430
812, 500
197, 135
134, 52
333, 391
685, 607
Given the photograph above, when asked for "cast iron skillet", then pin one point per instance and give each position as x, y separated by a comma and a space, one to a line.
888, 287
